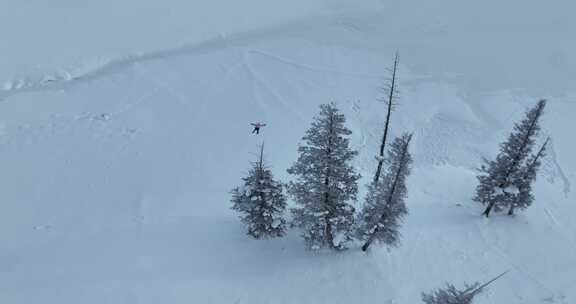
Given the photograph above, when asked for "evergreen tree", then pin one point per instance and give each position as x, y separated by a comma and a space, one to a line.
524, 180
325, 182
451, 295
500, 180
384, 207
261, 202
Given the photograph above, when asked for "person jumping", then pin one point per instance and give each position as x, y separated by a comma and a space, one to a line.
257, 127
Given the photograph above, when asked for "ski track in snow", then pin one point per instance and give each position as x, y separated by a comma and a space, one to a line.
64, 79
299, 65
258, 79
494, 248
566, 182
162, 85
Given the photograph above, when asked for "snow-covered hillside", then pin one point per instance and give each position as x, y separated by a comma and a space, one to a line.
123, 127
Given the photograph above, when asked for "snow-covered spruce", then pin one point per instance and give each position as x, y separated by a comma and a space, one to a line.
525, 179
325, 182
261, 202
505, 183
384, 206
452, 295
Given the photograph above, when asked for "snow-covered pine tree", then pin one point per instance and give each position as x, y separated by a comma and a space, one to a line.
524, 180
261, 202
451, 295
384, 206
325, 182
499, 180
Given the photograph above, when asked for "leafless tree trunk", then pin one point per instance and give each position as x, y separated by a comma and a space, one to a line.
479, 288
391, 93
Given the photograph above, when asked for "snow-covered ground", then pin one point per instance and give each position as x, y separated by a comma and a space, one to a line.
125, 124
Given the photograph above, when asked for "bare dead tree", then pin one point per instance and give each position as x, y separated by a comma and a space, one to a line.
476, 290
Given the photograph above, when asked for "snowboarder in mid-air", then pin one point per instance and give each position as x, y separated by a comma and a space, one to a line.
257, 127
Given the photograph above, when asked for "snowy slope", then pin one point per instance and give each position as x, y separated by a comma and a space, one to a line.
118, 154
